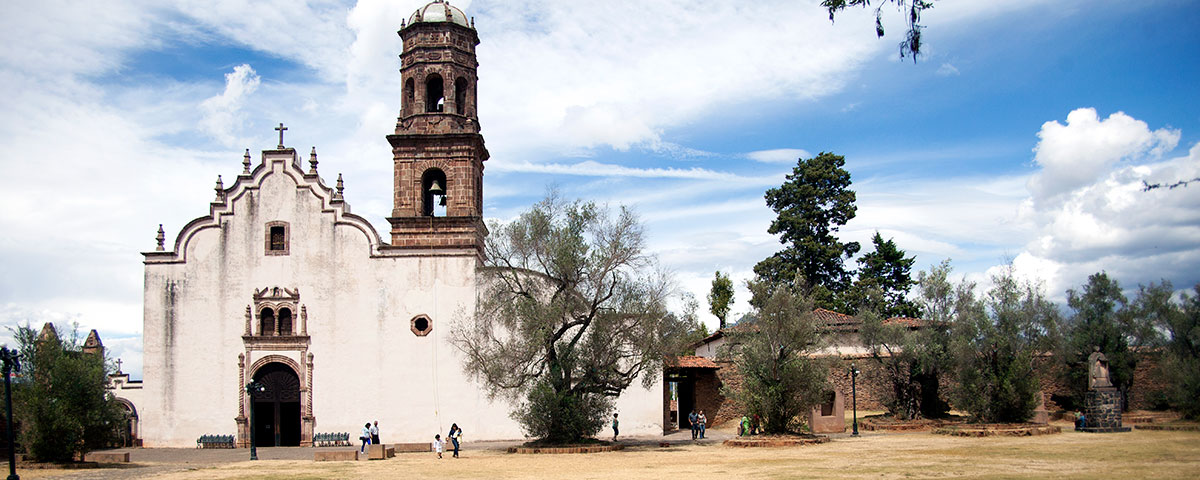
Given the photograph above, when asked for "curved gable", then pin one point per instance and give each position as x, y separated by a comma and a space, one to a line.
275, 165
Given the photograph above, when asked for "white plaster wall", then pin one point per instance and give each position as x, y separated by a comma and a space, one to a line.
368, 365
710, 349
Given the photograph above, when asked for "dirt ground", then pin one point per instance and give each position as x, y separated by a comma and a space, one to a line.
1138, 454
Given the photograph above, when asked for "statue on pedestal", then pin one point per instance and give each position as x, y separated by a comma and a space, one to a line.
1098, 370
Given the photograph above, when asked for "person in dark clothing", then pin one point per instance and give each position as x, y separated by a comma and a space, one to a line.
455, 435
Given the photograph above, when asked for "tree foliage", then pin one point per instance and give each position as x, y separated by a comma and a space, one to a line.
811, 205
911, 45
1178, 324
572, 312
720, 297
912, 358
1102, 318
60, 400
887, 271
781, 380
994, 341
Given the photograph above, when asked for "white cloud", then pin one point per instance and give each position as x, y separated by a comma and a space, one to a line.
223, 117
1100, 217
1078, 153
648, 67
779, 155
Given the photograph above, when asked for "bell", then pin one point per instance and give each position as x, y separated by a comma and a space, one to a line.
436, 188
442, 202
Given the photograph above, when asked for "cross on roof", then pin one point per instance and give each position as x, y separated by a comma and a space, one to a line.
280, 129
118, 365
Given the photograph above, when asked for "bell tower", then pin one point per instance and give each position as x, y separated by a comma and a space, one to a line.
437, 150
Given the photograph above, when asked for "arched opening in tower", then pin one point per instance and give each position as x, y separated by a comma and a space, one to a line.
460, 96
435, 93
410, 96
434, 191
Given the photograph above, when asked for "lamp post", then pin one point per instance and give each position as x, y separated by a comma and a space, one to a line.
253, 389
11, 363
854, 394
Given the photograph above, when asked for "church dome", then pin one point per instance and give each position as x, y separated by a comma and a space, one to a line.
439, 11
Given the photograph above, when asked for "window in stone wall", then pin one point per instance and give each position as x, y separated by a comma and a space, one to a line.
277, 237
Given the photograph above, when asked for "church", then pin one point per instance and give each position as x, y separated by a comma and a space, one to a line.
282, 285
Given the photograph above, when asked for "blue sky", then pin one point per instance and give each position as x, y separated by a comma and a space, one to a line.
1024, 131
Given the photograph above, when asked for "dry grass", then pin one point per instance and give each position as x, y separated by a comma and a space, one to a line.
1139, 454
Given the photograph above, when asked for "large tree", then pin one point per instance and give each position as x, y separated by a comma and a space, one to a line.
886, 270
912, 355
780, 377
571, 312
994, 341
1178, 323
911, 9
811, 205
1101, 319
60, 400
720, 297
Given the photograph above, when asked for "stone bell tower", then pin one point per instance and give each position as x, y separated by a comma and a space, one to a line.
437, 150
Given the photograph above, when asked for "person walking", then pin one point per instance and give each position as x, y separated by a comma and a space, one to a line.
437, 444
365, 437
455, 436
702, 420
692, 418
616, 431
375, 433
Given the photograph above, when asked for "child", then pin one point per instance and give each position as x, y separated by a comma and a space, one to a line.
437, 444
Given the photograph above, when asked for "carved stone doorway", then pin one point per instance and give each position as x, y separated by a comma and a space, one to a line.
277, 409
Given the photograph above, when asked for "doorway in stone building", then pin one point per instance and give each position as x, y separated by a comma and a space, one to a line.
690, 383
277, 409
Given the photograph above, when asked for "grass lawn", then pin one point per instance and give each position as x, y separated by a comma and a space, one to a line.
1138, 454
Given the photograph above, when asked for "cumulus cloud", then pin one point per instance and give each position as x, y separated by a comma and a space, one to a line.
1078, 153
223, 117
1090, 210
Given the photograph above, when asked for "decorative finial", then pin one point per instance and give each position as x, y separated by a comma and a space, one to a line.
162, 237
340, 187
220, 188
246, 162
312, 161
280, 129
472, 21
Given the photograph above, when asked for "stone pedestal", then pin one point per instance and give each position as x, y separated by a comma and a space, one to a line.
1103, 413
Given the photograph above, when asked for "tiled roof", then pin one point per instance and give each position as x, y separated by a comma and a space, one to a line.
691, 361
834, 320
908, 321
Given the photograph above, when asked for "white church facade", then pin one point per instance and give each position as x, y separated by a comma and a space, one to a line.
281, 284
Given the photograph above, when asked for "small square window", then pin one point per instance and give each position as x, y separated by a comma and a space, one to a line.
277, 238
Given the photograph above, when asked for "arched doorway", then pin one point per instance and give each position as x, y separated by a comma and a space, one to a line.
277, 409
128, 431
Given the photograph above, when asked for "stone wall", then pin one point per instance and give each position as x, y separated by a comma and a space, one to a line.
873, 385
